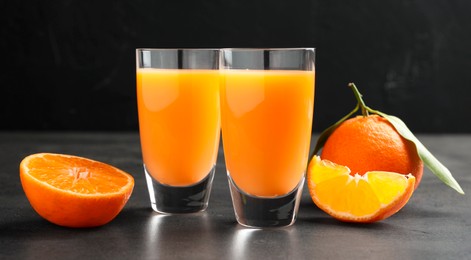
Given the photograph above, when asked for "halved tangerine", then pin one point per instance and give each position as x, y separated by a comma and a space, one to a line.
374, 196
73, 191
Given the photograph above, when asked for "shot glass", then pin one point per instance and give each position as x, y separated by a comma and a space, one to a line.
267, 100
179, 125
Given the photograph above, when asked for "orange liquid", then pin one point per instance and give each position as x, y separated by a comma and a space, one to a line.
266, 127
179, 121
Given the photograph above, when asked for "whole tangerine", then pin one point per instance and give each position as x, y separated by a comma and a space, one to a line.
371, 143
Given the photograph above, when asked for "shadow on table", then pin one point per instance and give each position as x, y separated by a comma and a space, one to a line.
310, 213
330, 221
29, 225
29, 236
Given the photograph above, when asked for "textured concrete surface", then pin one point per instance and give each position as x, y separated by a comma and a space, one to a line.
435, 224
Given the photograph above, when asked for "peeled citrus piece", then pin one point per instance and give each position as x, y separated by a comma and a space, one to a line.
374, 196
73, 191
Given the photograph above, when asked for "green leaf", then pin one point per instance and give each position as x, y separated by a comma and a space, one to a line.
427, 157
327, 132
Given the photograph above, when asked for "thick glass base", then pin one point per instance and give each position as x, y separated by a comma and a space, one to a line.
263, 212
167, 199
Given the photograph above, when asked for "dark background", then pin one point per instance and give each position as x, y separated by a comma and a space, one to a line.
70, 65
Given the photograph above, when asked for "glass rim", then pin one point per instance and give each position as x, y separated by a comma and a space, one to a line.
228, 49
177, 49
270, 49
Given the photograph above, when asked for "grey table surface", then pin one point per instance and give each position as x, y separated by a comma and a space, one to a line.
435, 224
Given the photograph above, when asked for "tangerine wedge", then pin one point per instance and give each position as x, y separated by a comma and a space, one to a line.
372, 197
74, 191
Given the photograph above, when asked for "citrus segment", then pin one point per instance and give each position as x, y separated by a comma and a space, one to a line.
74, 191
354, 198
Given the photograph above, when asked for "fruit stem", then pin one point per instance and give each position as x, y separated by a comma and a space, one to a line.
361, 103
